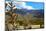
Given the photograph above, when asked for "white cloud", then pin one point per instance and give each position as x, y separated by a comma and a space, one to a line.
20, 4
23, 5
29, 7
32, 0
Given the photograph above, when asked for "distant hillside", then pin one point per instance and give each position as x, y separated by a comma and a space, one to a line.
33, 12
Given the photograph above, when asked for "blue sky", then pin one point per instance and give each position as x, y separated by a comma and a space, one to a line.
36, 5
29, 5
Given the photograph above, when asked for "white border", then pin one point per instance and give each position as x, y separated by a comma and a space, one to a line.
2, 16
31, 0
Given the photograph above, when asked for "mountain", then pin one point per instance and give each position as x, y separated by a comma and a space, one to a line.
24, 11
